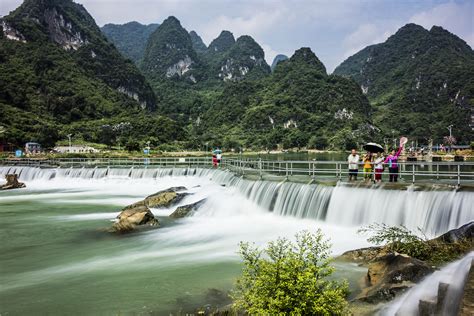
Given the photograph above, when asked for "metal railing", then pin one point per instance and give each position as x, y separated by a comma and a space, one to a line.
108, 162
450, 172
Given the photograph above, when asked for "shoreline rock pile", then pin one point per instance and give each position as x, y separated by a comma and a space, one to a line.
391, 273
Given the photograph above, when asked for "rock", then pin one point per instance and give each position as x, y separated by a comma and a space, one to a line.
391, 274
164, 198
362, 255
185, 210
12, 182
130, 218
139, 214
465, 232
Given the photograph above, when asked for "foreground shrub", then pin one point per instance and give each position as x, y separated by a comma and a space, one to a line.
289, 278
401, 239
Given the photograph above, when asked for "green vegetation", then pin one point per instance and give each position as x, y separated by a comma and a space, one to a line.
297, 103
62, 76
290, 279
130, 38
402, 240
66, 74
166, 47
221, 44
198, 44
419, 82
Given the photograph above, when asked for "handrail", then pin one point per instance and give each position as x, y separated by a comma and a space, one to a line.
188, 159
409, 170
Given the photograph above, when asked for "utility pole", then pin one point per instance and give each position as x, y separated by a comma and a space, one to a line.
69, 136
450, 128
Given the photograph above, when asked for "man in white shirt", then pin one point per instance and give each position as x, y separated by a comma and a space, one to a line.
353, 161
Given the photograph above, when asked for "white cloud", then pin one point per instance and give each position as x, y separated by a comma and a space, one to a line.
270, 53
254, 25
455, 17
365, 35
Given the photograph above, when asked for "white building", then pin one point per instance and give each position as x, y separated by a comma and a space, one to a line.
75, 149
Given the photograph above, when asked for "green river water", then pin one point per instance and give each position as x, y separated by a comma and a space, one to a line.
57, 258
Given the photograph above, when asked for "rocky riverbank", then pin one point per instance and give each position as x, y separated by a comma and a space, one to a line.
391, 273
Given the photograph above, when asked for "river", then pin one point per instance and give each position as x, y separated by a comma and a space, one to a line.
57, 257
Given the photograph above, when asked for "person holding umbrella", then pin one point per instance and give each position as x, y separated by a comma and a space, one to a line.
218, 153
392, 160
369, 158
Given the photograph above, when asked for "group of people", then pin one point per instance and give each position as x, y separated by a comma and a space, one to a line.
374, 164
216, 158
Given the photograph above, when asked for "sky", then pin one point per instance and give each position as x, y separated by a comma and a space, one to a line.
333, 29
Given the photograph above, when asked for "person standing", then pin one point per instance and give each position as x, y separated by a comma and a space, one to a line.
368, 159
353, 161
392, 160
378, 162
214, 161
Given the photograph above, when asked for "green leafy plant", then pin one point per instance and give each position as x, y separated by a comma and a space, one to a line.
290, 278
397, 239
401, 239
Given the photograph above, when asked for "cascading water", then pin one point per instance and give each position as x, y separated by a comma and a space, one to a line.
454, 274
434, 212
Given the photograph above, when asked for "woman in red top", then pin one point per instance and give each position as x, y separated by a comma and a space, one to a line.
214, 161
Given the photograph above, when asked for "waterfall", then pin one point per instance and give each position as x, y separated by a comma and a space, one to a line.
454, 274
433, 211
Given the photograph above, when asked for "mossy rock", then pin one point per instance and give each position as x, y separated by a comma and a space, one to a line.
131, 217
186, 210
161, 199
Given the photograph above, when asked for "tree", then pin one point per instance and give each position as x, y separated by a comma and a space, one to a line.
449, 140
290, 278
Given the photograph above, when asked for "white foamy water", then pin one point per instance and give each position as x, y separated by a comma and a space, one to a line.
453, 274
435, 212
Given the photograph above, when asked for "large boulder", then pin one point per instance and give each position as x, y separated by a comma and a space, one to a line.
362, 255
463, 233
12, 182
390, 274
164, 198
138, 214
130, 218
186, 210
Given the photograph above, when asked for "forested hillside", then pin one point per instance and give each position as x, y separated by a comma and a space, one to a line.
419, 82
299, 105
130, 38
60, 75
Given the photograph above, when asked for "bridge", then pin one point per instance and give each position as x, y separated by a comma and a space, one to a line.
446, 173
